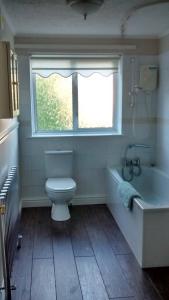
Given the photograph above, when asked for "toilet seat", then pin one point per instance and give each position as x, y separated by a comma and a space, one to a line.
60, 185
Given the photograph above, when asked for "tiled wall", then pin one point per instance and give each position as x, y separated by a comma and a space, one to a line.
162, 150
92, 154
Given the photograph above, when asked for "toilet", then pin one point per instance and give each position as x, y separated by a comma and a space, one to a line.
59, 185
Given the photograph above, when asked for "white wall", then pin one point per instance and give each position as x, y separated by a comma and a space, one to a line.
5, 35
92, 154
162, 150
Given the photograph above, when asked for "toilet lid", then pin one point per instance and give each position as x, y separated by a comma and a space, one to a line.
60, 184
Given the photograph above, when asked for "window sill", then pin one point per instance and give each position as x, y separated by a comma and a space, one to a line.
75, 134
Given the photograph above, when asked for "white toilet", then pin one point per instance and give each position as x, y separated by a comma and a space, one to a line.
59, 186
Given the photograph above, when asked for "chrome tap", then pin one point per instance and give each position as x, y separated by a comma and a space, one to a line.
133, 165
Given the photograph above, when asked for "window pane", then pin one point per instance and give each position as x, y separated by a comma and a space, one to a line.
54, 102
95, 101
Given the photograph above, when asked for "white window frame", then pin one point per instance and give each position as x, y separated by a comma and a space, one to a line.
116, 129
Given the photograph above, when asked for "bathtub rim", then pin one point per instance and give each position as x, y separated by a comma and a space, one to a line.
115, 172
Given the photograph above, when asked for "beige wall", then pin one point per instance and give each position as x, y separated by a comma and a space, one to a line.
87, 45
164, 44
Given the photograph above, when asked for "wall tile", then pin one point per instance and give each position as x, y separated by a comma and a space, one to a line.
162, 148
92, 154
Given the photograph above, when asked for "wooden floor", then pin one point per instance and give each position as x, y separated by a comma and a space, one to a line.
85, 258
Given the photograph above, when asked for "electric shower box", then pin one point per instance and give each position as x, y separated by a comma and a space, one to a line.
148, 77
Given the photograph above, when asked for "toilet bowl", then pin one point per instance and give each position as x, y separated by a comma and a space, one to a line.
59, 186
60, 191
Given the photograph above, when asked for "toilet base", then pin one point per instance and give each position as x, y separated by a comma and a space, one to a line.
60, 212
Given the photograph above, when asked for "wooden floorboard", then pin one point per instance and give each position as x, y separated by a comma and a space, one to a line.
43, 280
137, 278
160, 280
80, 240
85, 258
90, 279
113, 278
43, 235
112, 231
67, 282
128, 298
21, 278
22, 268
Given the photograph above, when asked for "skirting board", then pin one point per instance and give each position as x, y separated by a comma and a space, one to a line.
78, 200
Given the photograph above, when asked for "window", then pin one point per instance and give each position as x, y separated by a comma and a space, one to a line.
75, 95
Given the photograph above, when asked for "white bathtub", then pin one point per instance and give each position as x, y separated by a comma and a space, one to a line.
146, 226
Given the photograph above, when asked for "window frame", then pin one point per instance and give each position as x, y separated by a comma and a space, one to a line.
116, 129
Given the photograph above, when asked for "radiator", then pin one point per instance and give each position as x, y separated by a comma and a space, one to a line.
9, 225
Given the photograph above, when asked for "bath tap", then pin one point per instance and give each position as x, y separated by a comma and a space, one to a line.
133, 165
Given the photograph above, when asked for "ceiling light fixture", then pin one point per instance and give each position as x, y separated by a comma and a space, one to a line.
85, 7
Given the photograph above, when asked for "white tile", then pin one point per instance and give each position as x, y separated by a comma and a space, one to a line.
93, 154
33, 192
25, 162
33, 178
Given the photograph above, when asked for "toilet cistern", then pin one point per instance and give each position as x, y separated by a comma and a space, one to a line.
60, 186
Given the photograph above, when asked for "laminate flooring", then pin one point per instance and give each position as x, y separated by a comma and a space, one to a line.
85, 258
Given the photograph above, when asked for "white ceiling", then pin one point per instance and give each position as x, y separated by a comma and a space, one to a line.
56, 18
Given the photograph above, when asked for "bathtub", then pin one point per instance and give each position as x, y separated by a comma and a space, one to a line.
146, 226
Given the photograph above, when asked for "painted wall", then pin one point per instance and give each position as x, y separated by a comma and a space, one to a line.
6, 32
162, 149
92, 154
5, 35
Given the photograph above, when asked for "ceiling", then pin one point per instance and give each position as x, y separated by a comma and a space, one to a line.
56, 18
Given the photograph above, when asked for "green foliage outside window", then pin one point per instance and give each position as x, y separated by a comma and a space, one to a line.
54, 103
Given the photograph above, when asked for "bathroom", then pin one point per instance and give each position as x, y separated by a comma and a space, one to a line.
85, 250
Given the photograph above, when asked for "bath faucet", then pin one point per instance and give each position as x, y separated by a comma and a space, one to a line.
133, 165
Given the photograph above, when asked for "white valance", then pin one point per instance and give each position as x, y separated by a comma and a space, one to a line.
67, 66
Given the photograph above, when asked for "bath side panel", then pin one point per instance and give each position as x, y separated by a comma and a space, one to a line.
129, 222
156, 238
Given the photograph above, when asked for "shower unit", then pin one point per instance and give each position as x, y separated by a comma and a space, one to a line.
141, 90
